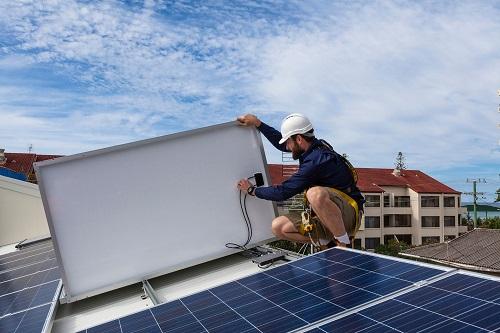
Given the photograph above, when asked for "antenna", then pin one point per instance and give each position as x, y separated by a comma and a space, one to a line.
30, 148
474, 194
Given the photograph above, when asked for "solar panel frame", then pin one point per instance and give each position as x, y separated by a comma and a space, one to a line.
69, 296
259, 286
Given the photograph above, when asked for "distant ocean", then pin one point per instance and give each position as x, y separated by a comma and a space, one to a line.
481, 213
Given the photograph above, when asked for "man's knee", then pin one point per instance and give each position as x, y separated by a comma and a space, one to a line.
317, 194
278, 226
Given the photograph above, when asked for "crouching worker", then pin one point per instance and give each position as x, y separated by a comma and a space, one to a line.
334, 203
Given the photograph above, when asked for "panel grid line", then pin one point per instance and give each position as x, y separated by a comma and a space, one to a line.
20, 253
426, 310
457, 293
372, 303
413, 307
369, 271
25, 258
277, 305
27, 265
191, 312
27, 288
233, 310
377, 323
156, 321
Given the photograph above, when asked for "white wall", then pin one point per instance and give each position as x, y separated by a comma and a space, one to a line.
21, 211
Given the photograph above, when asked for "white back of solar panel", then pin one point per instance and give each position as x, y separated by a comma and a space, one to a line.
127, 213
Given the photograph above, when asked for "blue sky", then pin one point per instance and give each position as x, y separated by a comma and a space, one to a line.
375, 77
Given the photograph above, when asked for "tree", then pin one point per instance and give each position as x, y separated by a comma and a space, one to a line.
400, 162
491, 223
498, 195
392, 248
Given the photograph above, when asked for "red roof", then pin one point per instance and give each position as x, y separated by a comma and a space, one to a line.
371, 180
23, 162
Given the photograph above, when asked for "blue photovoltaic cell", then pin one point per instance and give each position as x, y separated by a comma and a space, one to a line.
281, 299
30, 321
29, 283
458, 303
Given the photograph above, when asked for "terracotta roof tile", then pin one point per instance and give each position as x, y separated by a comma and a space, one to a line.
372, 180
23, 162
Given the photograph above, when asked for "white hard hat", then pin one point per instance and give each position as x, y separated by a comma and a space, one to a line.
294, 124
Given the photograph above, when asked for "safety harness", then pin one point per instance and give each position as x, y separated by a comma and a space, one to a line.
308, 226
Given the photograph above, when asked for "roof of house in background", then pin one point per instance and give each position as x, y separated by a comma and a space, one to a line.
372, 180
477, 250
23, 162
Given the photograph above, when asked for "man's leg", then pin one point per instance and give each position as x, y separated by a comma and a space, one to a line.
327, 211
283, 228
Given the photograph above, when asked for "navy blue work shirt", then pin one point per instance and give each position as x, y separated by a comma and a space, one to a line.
318, 166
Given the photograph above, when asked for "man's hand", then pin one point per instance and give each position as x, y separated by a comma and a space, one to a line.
244, 185
249, 120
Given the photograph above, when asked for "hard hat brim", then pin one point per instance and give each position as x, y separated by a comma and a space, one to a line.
283, 140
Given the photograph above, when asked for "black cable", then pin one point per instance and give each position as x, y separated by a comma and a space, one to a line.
248, 223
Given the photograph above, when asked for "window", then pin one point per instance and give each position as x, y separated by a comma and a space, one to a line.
449, 237
430, 221
449, 201
430, 201
397, 220
372, 200
372, 243
387, 201
430, 240
402, 201
357, 243
372, 221
462, 221
449, 221
401, 238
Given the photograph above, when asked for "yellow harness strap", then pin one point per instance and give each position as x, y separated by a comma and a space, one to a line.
351, 202
354, 205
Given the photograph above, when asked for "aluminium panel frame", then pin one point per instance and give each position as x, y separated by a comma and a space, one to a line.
67, 298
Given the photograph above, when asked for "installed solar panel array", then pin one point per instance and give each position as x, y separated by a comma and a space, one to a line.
29, 287
336, 290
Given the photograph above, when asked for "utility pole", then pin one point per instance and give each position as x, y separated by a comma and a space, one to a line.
474, 194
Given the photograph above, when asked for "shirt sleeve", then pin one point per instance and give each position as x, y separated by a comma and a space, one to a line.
300, 181
273, 135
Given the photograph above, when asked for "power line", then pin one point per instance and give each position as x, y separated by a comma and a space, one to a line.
474, 194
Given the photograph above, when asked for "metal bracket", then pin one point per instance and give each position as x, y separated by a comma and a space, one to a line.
150, 292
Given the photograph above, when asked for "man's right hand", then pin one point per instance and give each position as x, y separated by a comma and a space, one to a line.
249, 120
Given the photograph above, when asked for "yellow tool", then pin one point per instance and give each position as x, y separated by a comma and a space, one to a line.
307, 225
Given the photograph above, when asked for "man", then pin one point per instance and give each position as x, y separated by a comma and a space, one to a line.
327, 178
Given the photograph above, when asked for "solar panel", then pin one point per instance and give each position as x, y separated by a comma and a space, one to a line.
458, 303
29, 287
282, 299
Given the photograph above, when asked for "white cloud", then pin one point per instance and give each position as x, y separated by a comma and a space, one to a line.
375, 77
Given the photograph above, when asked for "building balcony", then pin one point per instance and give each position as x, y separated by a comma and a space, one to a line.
397, 210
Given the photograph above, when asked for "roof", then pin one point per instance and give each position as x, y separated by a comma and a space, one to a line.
372, 180
23, 162
477, 249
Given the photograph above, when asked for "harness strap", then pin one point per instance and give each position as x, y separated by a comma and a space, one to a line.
351, 202
354, 205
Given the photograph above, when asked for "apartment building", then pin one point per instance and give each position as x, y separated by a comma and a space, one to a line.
407, 205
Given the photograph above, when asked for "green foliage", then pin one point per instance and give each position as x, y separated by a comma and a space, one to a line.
491, 223
290, 246
392, 248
